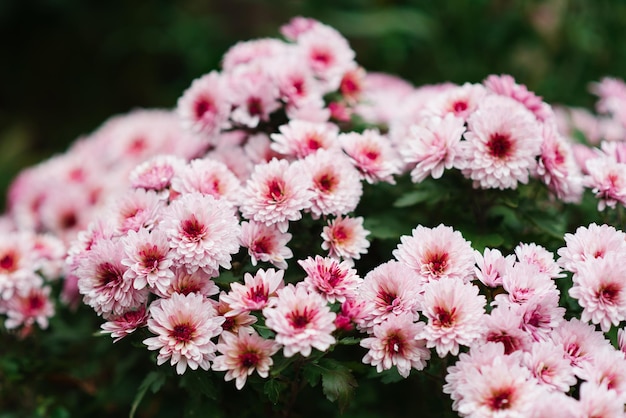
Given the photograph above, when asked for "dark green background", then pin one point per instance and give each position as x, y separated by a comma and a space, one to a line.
67, 65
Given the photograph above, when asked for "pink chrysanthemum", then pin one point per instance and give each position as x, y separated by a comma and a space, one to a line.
302, 321
491, 265
242, 354
102, 283
255, 293
498, 390
237, 324
395, 343
185, 283
372, 154
208, 177
156, 174
137, 209
607, 180
608, 369
119, 326
351, 313
345, 238
599, 401
276, 193
548, 365
600, 289
437, 253
540, 257
299, 138
266, 243
540, 315
455, 313
28, 307
390, 289
184, 325
16, 259
203, 232
204, 107
502, 141
333, 280
503, 325
523, 281
253, 95
595, 241
148, 258
505, 85
433, 146
336, 183
459, 101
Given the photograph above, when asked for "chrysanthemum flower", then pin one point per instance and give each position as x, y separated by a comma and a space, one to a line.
185, 283
595, 241
136, 209
148, 258
28, 307
600, 289
395, 343
505, 85
459, 101
16, 262
608, 369
332, 279
502, 141
184, 326
255, 293
390, 289
236, 324
607, 180
491, 265
599, 401
523, 281
252, 94
540, 257
119, 326
102, 283
433, 146
208, 177
302, 321
455, 312
345, 237
156, 173
266, 243
437, 253
276, 193
299, 138
336, 183
203, 232
204, 107
246, 52
540, 315
242, 354
548, 365
372, 154
503, 325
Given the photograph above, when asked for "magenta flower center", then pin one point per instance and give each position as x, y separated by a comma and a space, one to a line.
349, 86
501, 399
395, 343
443, 317
182, 333
7, 263
276, 190
387, 298
437, 263
202, 106
333, 276
321, 56
193, 229
326, 183
249, 359
300, 319
608, 293
459, 106
255, 107
500, 146
258, 294
35, 303
107, 273
151, 257
510, 342
68, 220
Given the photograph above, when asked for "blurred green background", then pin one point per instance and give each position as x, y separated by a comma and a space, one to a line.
68, 65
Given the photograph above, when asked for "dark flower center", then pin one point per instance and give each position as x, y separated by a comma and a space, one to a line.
499, 146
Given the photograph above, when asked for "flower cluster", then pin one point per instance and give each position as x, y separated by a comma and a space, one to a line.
229, 232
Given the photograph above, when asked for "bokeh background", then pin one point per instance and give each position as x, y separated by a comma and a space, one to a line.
68, 65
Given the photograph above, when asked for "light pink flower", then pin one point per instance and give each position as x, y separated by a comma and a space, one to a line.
204, 107
436, 253
266, 243
491, 265
505, 85
295, 80
156, 173
208, 177
607, 369
502, 141
455, 312
333, 280
540, 315
372, 154
345, 237
247, 52
136, 209
184, 326
119, 326
102, 283
600, 289
302, 321
607, 180
336, 183
16, 264
390, 289
148, 258
498, 390
503, 325
185, 283
523, 281
540, 257
587, 243
395, 343
351, 313
252, 94
599, 401
242, 354
548, 365
459, 101
299, 138
28, 307
255, 293
297, 26
237, 324
433, 146
203, 232
276, 193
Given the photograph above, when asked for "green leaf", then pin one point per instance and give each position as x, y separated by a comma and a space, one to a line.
338, 383
225, 278
153, 381
349, 341
312, 373
413, 198
273, 388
